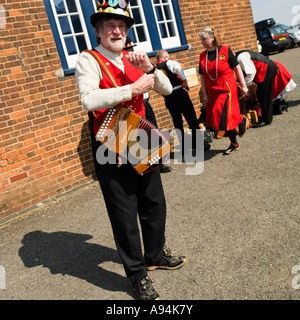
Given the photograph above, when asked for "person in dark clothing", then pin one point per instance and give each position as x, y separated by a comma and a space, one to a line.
178, 102
262, 71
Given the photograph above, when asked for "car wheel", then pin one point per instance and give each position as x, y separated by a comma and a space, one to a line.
292, 44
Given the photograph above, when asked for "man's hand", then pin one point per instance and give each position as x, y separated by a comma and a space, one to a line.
139, 60
244, 90
144, 84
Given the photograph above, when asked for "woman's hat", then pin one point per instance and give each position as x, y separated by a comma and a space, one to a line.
112, 9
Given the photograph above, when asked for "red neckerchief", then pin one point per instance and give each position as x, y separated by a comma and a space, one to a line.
158, 62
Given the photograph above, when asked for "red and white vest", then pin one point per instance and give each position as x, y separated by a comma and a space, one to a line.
131, 75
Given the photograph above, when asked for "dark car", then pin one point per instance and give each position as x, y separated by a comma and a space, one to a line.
272, 37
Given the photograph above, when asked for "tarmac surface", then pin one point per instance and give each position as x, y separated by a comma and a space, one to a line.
238, 222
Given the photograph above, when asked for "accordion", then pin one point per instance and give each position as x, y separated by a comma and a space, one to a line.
130, 135
134, 138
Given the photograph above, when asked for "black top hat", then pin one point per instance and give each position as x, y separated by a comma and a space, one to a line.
112, 9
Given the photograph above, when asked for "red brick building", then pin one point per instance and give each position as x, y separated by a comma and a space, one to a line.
44, 138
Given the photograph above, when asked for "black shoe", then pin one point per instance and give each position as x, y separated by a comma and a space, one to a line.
243, 126
260, 124
168, 262
231, 148
144, 290
164, 169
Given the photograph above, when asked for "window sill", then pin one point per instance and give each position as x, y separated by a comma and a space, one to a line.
69, 71
150, 54
175, 49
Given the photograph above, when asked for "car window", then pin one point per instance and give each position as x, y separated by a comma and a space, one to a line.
285, 27
265, 34
277, 30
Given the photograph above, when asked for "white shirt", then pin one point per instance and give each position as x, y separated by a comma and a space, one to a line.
247, 66
88, 76
176, 68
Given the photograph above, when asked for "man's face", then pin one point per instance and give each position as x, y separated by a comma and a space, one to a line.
113, 35
166, 57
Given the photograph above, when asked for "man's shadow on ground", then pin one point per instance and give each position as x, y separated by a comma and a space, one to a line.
69, 253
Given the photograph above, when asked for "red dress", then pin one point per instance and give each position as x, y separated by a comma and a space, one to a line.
282, 79
222, 109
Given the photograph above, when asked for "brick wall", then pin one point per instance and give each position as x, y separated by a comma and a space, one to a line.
44, 142
44, 139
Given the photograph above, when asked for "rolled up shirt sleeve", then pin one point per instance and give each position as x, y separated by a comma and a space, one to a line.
176, 68
247, 66
162, 84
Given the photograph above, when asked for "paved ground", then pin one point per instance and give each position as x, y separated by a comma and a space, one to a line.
238, 222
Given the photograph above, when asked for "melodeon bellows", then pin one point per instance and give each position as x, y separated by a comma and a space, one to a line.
133, 137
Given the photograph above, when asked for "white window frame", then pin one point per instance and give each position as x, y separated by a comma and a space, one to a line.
2, 17
149, 23
145, 45
168, 42
71, 59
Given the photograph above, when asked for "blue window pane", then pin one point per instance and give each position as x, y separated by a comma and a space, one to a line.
163, 30
167, 13
133, 2
76, 24
171, 29
70, 44
133, 38
141, 34
72, 6
136, 16
59, 6
65, 26
81, 43
155, 1
159, 14
165, 1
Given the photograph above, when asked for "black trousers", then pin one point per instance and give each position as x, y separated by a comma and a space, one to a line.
149, 112
179, 103
129, 197
265, 92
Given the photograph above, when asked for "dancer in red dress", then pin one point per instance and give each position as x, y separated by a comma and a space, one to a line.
283, 83
272, 80
216, 67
